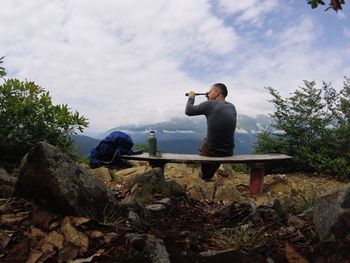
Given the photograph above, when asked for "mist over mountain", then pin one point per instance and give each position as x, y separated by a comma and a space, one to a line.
183, 135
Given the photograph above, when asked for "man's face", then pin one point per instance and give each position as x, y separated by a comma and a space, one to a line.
213, 93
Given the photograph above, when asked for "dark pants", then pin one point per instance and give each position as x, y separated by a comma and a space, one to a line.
208, 170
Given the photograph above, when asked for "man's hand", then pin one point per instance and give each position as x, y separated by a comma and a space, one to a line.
191, 94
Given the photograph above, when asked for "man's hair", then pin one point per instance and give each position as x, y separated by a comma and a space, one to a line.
222, 89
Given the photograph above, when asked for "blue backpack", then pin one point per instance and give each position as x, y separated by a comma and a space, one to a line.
106, 153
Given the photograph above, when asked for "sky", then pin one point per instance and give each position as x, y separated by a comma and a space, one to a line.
124, 62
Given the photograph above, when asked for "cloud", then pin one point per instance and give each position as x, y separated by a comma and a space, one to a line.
346, 32
251, 11
131, 62
116, 62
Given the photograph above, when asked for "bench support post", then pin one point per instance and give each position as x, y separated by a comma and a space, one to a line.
257, 173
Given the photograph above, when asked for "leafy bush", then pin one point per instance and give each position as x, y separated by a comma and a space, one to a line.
28, 116
313, 127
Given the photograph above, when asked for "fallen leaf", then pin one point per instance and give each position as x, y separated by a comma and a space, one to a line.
41, 218
47, 248
13, 219
34, 256
18, 253
95, 234
55, 239
89, 259
74, 236
293, 256
69, 252
53, 225
5, 238
36, 233
77, 221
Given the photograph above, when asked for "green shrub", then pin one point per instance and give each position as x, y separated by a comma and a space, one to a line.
313, 127
28, 116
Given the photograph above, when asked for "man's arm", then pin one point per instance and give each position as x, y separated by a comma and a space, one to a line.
192, 110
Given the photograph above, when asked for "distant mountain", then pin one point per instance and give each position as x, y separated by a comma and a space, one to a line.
84, 144
184, 135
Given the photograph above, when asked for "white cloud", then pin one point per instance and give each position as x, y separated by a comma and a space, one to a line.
116, 62
300, 33
249, 10
130, 62
346, 32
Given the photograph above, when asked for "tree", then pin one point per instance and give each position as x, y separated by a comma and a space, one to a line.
313, 126
28, 116
333, 4
2, 69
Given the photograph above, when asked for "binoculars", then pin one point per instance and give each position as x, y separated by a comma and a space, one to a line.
197, 94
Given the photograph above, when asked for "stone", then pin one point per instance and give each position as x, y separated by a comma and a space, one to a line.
153, 210
280, 186
227, 191
134, 217
165, 201
7, 183
102, 173
296, 221
332, 214
202, 190
147, 248
129, 173
225, 170
53, 180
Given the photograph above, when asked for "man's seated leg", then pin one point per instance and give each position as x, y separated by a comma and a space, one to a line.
208, 170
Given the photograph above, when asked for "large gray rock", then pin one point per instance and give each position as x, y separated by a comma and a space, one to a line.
7, 183
332, 214
53, 180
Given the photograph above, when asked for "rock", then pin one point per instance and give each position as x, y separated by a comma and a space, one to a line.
176, 189
332, 214
202, 190
280, 186
53, 180
7, 183
153, 210
134, 217
225, 170
147, 248
227, 191
164, 201
129, 173
102, 173
296, 221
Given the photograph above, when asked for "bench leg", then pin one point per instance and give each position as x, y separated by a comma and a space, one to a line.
257, 173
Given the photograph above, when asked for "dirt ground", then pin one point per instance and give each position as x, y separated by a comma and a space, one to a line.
191, 230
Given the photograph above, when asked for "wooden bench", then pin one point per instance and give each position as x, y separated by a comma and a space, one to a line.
255, 161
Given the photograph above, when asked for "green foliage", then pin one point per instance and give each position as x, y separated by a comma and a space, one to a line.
28, 116
2, 69
313, 127
333, 4
142, 146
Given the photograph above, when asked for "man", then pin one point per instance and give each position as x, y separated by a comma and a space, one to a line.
221, 125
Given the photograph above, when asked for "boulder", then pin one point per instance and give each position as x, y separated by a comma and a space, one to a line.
53, 180
332, 214
7, 183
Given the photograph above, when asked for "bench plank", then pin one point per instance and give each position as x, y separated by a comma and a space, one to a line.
193, 158
255, 161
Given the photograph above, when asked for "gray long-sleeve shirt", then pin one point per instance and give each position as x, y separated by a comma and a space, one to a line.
221, 123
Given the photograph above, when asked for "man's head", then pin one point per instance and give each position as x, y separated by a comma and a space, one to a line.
217, 92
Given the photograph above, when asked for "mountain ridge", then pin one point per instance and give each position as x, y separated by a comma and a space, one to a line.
183, 135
